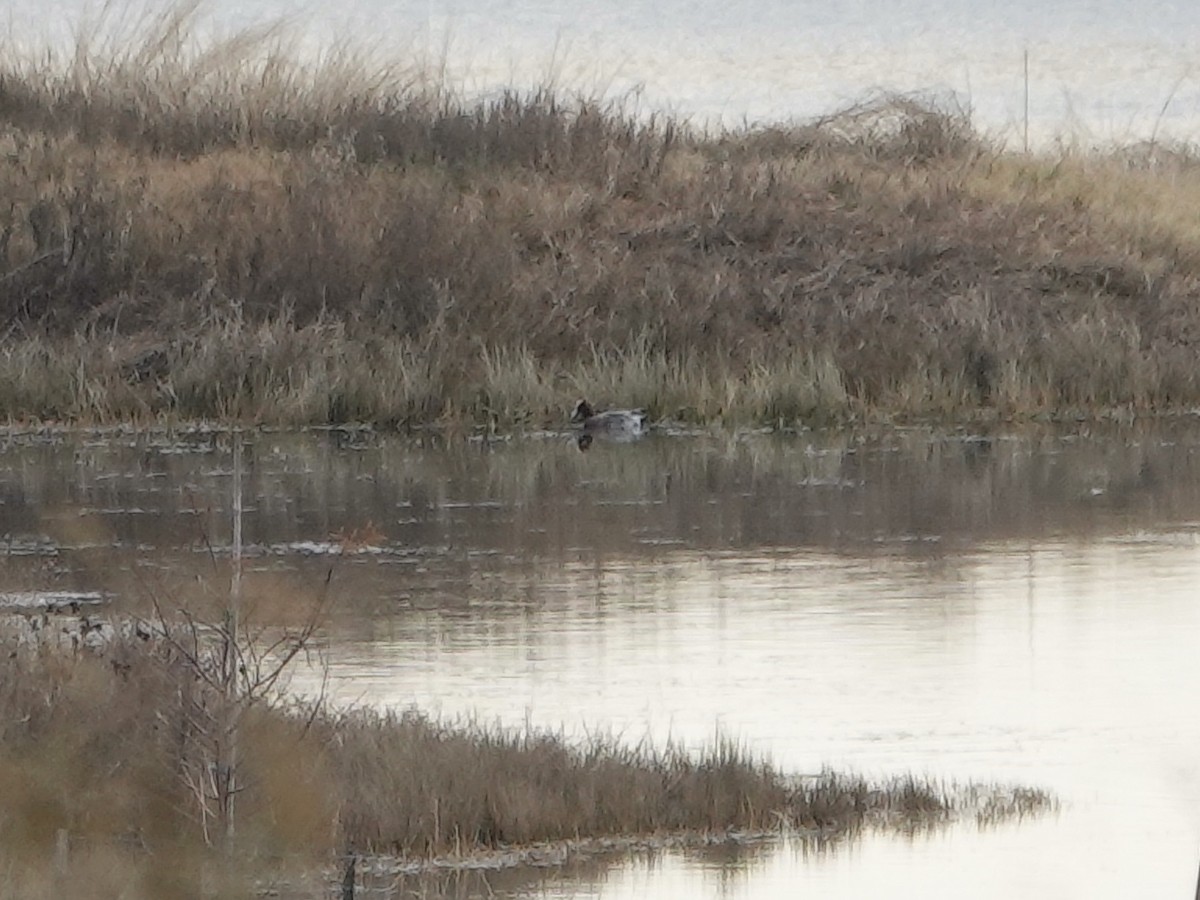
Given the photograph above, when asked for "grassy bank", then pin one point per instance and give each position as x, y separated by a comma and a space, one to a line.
102, 746
216, 230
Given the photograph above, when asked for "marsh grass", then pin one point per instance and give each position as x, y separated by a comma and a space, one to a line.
95, 743
210, 227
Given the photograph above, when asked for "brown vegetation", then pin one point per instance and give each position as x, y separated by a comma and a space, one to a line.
331, 248
219, 231
102, 746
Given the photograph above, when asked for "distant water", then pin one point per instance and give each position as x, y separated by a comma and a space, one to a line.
1099, 70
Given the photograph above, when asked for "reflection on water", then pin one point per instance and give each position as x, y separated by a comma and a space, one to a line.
1019, 607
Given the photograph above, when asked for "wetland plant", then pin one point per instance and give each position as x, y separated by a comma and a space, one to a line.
97, 744
219, 229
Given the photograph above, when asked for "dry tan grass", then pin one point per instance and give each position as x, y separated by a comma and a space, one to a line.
97, 743
215, 230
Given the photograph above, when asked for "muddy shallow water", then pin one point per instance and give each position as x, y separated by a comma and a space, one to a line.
1017, 607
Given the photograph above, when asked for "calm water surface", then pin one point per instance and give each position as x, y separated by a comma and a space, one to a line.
1013, 607
1099, 70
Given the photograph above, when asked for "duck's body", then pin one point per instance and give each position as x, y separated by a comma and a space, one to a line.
613, 423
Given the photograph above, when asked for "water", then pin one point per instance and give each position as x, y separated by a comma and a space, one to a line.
1098, 71
1013, 607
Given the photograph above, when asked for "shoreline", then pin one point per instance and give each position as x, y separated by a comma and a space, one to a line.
550, 427
413, 793
424, 795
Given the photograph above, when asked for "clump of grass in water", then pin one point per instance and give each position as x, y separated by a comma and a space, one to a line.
319, 781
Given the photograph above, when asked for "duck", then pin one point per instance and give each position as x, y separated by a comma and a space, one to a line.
613, 423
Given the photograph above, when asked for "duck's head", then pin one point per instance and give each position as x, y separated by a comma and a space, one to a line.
582, 412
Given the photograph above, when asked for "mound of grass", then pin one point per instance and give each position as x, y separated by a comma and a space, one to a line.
216, 229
